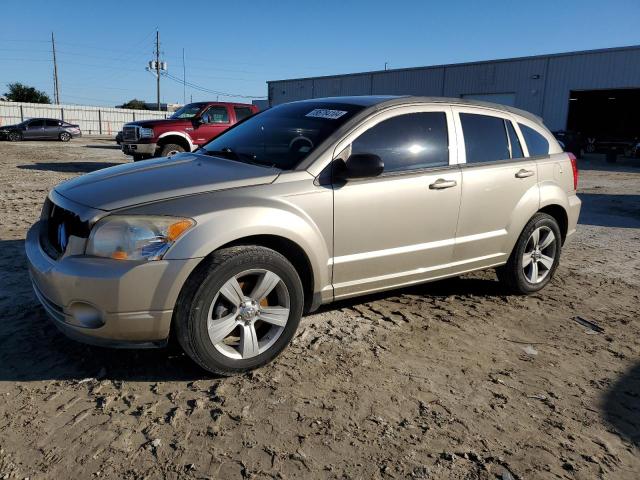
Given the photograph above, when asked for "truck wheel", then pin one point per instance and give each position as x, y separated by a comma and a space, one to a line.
535, 257
170, 149
137, 157
239, 309
65, 137
15, 136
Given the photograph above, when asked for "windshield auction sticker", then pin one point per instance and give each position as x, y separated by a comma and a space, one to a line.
322, 113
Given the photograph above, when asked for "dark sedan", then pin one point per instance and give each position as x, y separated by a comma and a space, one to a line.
40, 129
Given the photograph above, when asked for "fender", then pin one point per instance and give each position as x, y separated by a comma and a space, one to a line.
192, 146
552, 194
227, 216
522, 212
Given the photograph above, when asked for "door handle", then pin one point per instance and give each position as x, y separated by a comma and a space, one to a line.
522, 173
441, 184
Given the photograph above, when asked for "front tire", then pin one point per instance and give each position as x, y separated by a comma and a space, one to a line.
170, 149
64, 137
534, 258
15, 136
239, 309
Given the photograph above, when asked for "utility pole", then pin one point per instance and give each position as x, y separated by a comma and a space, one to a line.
56, 87
184, 80
158, 65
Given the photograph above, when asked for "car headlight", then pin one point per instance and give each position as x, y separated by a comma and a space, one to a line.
135, 237
146, 132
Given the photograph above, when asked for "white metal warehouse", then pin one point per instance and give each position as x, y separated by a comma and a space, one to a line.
594, 91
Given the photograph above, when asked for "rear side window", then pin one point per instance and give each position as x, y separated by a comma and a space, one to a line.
516, 148
536, 143
36, 124
242, 113
485, 138
52, 123
408, 142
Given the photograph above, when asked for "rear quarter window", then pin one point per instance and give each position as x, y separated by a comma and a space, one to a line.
536, 143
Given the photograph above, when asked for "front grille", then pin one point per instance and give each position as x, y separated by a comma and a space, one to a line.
129, 133
61, 224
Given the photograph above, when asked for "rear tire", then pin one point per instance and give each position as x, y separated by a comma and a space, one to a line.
171, 149
534, 258
15, 136
226, 323
64, 137
137, 157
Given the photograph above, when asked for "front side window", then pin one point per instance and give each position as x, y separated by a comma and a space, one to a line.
408, 142
282, 136
216, 115
536, 143
242, 113
485, 138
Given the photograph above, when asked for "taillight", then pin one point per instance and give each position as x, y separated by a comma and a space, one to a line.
574, 167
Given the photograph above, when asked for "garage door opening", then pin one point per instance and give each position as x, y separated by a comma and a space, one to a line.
605, 116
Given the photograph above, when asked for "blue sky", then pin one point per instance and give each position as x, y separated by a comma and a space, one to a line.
234, 47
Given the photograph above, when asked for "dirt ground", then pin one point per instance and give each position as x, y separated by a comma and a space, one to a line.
447, 380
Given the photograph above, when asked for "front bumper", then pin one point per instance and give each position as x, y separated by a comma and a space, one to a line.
139, 148
131, 303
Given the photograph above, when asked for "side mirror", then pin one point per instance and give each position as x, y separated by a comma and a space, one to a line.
362, 165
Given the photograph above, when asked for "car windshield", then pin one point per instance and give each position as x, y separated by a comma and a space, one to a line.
188, 111
282, 136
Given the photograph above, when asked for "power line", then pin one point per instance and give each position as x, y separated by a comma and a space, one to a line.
208, 90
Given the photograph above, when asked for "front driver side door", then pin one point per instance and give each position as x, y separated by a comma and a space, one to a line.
213, 121
398, 228
34, 130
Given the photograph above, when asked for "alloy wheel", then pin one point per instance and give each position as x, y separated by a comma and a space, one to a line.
539, 254
248, 314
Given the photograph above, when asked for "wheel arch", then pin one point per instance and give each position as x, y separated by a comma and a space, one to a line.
178, 138
560, 215
293, 252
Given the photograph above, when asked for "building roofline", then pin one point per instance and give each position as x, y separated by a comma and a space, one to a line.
479, 62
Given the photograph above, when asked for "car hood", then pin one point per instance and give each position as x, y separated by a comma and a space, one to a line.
160, 122
160, 179
8, 127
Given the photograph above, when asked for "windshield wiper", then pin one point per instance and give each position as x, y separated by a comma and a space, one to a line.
228, 153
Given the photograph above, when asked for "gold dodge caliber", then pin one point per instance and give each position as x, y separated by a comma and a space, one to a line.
298, 206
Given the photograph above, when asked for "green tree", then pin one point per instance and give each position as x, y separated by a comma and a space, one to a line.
135, 104
19, 92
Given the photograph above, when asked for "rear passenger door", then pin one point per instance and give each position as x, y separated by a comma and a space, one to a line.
52, 129
499, 187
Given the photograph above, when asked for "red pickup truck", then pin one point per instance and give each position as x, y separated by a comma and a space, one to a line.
186, 130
